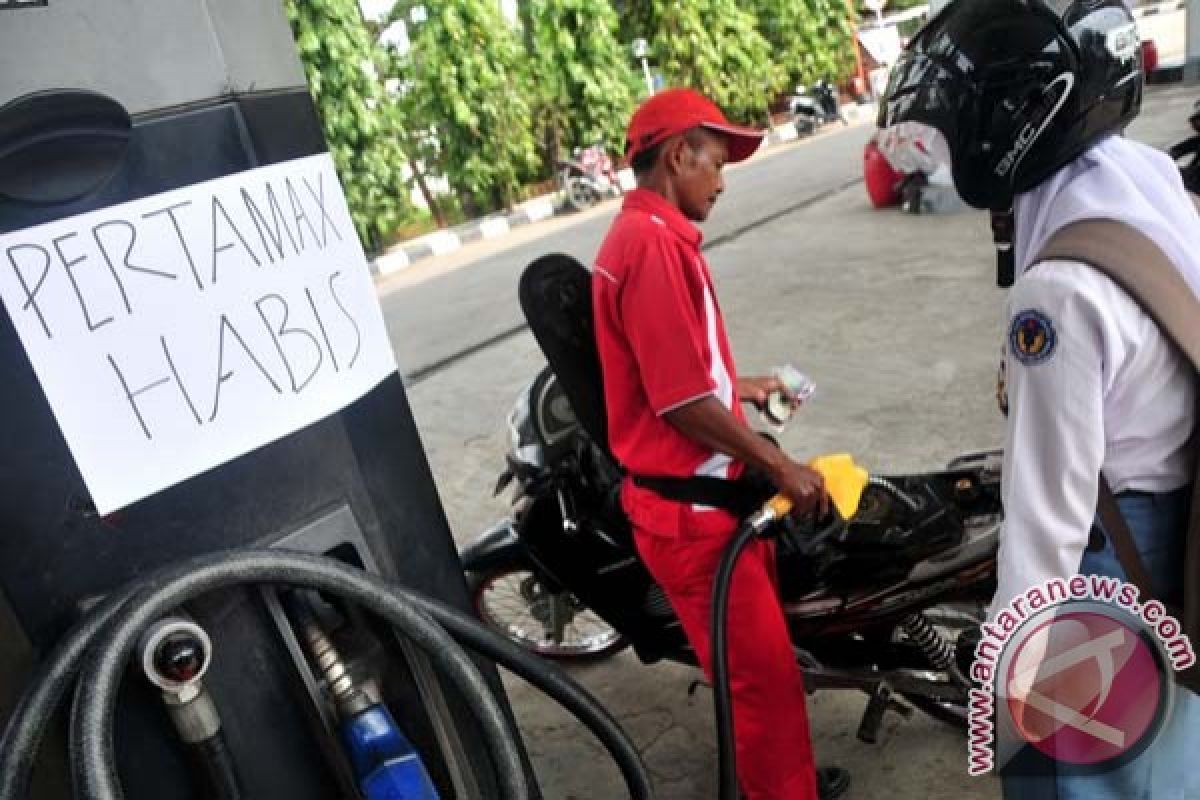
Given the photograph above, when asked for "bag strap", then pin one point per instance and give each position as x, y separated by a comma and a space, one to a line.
1140, 267
1122, 539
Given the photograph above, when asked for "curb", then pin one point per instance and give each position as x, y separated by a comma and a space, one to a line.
495, 226
447, 241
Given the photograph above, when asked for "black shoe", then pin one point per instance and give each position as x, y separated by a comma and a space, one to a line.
832, 782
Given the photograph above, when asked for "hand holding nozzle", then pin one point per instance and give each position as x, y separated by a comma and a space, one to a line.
803, 487
842, 482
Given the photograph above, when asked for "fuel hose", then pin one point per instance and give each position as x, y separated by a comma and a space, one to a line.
93, 657
755, 525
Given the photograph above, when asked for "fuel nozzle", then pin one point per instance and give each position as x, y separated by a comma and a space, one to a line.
385, 763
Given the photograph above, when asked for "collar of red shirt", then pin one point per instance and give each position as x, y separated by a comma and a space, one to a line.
656, 205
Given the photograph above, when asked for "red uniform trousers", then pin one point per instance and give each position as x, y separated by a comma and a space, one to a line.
774, 749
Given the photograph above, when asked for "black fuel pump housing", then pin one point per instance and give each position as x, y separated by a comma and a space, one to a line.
100, 104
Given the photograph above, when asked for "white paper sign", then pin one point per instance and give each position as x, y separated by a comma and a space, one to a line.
174, 333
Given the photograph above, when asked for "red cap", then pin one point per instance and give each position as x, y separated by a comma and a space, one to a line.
678, 110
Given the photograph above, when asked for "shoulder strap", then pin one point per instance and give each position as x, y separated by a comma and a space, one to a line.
1140, 267
1122, 539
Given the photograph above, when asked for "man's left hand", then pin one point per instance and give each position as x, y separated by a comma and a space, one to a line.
755, 390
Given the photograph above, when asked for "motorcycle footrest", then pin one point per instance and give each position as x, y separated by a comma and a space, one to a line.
880, 702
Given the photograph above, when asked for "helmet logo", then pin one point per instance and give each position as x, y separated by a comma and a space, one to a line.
1034, 128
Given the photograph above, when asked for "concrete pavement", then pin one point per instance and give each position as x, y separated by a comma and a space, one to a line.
897, 319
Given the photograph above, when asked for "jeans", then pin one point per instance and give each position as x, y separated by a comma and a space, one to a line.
1169, 769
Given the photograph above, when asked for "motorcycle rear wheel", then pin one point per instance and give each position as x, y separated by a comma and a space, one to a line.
580, 196
511, 600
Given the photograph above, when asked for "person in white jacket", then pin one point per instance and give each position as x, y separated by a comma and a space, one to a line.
1032, 99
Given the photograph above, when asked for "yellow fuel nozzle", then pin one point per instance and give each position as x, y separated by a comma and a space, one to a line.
844, 480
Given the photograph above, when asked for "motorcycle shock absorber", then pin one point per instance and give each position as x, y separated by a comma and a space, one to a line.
935, 647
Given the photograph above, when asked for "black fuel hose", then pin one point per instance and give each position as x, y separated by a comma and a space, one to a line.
727, 782
122, 618
757, 524
30, 719
93, 766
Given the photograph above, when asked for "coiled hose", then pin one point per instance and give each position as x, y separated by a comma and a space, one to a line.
432, 626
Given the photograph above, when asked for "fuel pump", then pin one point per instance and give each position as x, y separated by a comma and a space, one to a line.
193, 364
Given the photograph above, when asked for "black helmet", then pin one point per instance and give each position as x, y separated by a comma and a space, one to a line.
1019, 88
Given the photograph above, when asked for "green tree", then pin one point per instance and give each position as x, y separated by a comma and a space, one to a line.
810, 39
584, 86
359, 121
713, 46
469, 89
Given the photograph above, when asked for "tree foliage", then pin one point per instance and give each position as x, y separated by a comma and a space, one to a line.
712, 46
360, 122
810, 39
470, 88
584, 81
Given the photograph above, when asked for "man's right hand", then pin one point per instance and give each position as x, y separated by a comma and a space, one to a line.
804, 486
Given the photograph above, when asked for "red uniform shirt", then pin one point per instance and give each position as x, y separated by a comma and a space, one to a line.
662, 345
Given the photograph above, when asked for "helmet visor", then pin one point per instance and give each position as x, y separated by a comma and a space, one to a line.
924, 88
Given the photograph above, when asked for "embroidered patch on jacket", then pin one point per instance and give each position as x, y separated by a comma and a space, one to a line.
1032, 338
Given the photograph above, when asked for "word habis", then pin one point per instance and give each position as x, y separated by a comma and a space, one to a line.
116, 266
278, 344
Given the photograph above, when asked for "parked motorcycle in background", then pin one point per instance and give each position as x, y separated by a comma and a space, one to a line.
587, 177
813, 108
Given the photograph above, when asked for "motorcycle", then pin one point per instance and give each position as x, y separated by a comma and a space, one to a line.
888, 602
811, 110
587, 177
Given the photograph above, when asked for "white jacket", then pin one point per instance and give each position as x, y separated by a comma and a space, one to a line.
1091, 383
